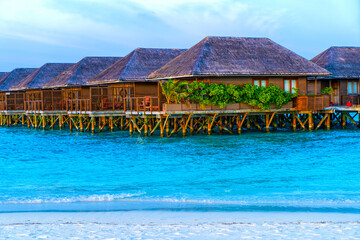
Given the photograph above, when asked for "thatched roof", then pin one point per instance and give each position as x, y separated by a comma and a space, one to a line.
13, 77
41, 76
136, 65
233, 56
342, 62
2, 74
81, 72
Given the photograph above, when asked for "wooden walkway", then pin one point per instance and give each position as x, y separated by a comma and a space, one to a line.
184, 123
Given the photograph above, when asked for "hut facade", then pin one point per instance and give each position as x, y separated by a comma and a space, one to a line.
235, 60
11, 101
70, 86
344, 65
32, 85
122, 86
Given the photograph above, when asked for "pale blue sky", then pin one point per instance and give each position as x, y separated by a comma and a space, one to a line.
33, 32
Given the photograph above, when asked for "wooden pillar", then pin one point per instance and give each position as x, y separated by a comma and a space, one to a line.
294, 121
161, 126
311, 121
130, 127
23, 120
60, 121
70, 123
111, 124
122, 123
168, 127
28, 121
184, 126
220, 125
146, 126
35, 121
267, 124
81, 126
248, 126
238, 122
209, 125
43, 122
343, 120
328, 121
191, 125
8, 122
92, 124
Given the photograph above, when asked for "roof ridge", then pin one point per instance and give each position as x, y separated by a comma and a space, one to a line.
205, 41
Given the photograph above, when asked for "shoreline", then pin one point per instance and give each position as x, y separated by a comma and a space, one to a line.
173, 225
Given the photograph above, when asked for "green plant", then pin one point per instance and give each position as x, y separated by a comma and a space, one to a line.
169, 89
222, 94
327, 90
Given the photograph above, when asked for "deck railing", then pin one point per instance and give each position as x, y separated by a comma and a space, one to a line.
353, 99
317, 102
143, 104
2, 106
77, 105
35, 106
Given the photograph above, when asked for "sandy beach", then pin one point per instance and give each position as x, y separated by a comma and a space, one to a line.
179, 225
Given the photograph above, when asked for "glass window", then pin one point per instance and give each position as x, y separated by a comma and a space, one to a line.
287, 85
293, 85
263, 83
355, 89
350, 87
257, 83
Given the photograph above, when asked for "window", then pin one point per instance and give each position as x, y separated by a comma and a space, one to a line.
260, 83
352, 87
290, 84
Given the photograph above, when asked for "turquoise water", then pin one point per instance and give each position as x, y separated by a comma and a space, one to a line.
286, 171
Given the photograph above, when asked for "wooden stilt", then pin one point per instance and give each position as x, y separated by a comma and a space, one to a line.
161, 126
111, 123
70, 123
183, 125
81, 125
146, 122
343, 120
311, 121
294, 121
191, 126
44, 122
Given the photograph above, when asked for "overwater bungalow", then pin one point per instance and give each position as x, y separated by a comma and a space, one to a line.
11, 101
122, 86
31, 86
235, 60
69, 90
344, 65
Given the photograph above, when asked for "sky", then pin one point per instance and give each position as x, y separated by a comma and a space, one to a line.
34, 32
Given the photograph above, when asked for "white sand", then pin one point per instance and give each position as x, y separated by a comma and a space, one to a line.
179, 225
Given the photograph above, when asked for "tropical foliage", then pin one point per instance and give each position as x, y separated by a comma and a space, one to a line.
327, 90
222, 94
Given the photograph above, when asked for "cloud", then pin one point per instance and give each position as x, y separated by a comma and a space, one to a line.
35, 20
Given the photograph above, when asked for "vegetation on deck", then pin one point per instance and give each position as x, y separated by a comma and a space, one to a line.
199, 92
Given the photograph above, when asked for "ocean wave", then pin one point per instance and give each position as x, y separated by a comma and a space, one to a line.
91, 198
142, 200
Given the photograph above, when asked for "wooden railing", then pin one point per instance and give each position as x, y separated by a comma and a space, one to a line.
142, 104
77, 105
35, 106
353, 99
2, 106
312, 102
